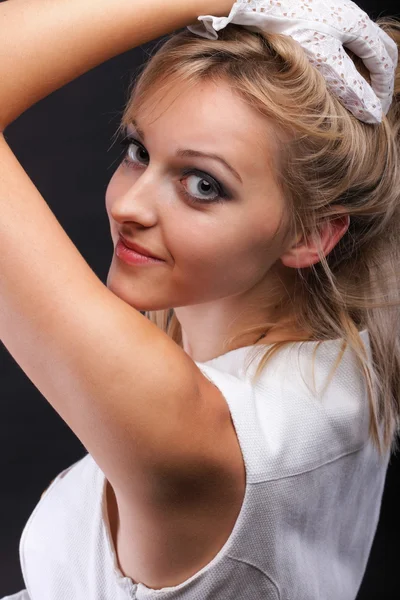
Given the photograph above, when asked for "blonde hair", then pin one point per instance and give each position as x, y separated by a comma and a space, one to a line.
328, 158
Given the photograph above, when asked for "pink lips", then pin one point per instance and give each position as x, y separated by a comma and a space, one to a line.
138, 248
132, 257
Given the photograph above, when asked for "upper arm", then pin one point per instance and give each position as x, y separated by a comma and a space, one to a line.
134, 398
193, 507
206, 451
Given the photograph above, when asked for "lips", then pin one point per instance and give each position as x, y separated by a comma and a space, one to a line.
139, 249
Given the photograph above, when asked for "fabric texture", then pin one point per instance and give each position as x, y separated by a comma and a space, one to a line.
314, 485
323, 29
22, 595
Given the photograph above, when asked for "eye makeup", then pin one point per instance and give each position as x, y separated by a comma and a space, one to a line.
220, 193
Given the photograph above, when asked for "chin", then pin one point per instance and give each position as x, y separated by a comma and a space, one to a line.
136, 292
121, 291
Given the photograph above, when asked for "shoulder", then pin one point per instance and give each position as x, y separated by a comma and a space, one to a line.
313, 406
303, 411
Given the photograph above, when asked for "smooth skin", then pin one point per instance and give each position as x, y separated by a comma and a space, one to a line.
109, 373
222, 255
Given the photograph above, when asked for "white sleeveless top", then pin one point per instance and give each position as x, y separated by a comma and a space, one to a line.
311, 507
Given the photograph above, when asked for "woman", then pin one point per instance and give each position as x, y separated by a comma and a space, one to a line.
207, 475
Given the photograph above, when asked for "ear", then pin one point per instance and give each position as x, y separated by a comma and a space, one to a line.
304, 252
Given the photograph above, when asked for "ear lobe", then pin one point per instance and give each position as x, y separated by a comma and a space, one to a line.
304, 253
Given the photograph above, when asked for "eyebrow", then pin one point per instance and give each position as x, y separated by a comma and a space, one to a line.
182, 153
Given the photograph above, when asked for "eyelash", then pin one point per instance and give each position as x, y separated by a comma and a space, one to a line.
220, 191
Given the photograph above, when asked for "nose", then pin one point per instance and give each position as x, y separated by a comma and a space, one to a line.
136, 199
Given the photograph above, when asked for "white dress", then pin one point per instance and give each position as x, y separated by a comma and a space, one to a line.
314, 485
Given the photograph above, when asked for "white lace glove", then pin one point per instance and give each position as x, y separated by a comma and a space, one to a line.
322, 28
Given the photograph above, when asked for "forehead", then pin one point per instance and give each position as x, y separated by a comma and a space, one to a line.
210, 117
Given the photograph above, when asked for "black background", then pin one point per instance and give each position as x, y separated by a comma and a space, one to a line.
65, 144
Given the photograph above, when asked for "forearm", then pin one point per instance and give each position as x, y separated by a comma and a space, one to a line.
45, 44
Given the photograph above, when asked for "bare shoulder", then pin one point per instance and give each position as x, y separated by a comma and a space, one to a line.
166, 539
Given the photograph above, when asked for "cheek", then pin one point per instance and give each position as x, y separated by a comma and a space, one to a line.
211, 264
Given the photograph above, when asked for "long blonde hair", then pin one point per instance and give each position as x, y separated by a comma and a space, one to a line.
328, 158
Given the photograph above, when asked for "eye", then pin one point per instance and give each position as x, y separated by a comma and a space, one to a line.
129, 157
198, 192
201, 185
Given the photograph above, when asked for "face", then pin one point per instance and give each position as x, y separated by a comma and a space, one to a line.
217, 231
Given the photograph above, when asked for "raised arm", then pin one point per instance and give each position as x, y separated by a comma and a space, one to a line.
44, 44
155, 425
108, 371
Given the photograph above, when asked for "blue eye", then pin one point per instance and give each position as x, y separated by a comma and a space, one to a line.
206, 183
